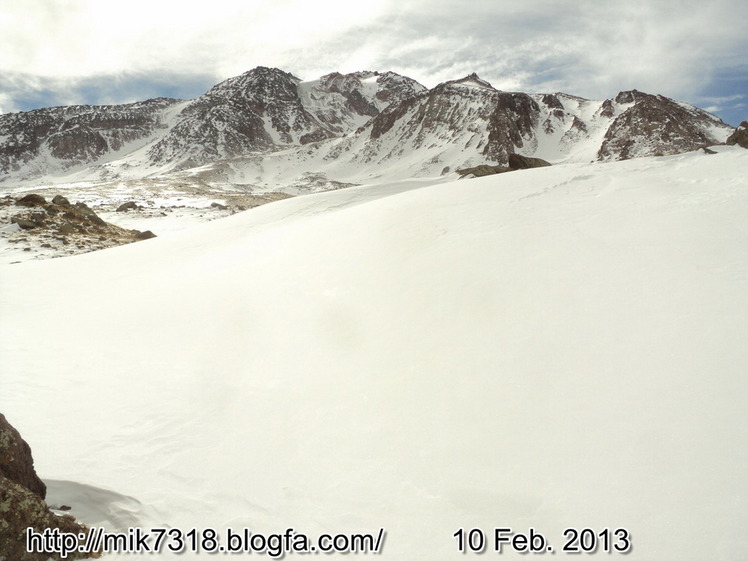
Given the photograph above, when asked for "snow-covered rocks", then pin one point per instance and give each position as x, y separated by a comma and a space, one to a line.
57, 228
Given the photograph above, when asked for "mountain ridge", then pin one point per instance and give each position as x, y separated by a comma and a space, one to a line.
340, 125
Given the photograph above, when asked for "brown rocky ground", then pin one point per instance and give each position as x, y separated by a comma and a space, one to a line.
60, 226
740, 136
44, 224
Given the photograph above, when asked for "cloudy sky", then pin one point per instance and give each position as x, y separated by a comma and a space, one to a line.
55, 52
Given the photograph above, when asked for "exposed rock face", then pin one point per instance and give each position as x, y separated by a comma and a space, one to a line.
482, 170
740, 136
511, 124
344, 102
21, 509
657, 125
464, 123
266, 109
466, 112
129, 205
58, 138
242, 114
22, 501
517, 161
16, 462
31, 200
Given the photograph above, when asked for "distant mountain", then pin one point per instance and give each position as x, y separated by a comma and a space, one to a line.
36, 142
654, 124
467, 122
268, 127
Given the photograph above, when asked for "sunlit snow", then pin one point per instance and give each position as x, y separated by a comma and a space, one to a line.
563, 346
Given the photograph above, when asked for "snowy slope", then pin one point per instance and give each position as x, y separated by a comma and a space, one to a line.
548, 348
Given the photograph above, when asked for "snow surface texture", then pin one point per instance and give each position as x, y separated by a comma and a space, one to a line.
555, 347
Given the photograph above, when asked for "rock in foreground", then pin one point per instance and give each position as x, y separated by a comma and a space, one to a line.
22, 503
61, 227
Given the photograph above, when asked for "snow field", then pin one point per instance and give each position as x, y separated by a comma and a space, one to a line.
547, 348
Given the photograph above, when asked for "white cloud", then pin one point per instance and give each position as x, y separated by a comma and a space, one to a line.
84, 37
584, 47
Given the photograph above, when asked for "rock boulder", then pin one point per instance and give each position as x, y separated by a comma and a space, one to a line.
740, 136
16, 462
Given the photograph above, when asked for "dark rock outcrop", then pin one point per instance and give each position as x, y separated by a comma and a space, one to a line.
740, 136
129, 205
482, 170
656, 125
16, 462
517, 161
147, 235
24, 223
78, 224
22, 503
31, 199
74, 135
22, 509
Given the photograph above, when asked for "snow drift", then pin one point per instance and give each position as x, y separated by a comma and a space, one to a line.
547, 348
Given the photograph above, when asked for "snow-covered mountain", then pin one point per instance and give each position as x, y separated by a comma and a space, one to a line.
54, 140
269, 127
552, 348
267, 109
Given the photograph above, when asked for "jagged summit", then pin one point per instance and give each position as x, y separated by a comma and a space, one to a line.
473, 80
258, 77
655, 124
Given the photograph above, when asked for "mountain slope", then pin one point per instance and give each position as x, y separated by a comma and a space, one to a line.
549, 348
251, 112
43, 141
657, 125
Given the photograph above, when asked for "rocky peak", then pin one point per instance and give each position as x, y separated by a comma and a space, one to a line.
658, 125
259, 83
395, 88
468, 112
472, 80
258, 110
344, 102
344, 83
740, 136
628, 96
339, 97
